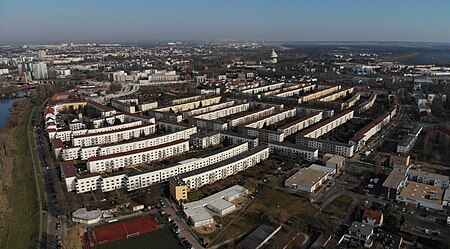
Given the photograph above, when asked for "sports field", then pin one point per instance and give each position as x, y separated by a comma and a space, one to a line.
123, 230
159, 239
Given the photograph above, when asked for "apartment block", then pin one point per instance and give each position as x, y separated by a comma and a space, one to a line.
114, 136
218, 171
227, 111
249, 117
136, 157
237, 138
327, 125
293, 151
327, 146
204, 140
271, 119
300, 124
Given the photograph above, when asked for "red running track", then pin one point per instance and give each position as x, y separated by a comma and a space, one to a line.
121, 230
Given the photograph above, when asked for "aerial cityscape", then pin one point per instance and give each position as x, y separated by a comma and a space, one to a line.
224, 124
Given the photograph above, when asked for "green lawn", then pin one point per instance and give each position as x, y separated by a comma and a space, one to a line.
159, 239
24, 220
339, 205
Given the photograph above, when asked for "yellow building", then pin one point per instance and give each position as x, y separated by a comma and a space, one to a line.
178, 189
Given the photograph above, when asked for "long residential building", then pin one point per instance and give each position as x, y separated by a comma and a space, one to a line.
215, 172
336, 95
114, 136
67, 135
408, 142
132, 179
223, 112
85, 153
135, 157
293, 92
237, 138
326, 146
264, 88
271, 118
293, 151
363, 135
319, 94
300, 124
189, 106
202, 110
263, 134
212, 125
327, 125
248, 117
366, 105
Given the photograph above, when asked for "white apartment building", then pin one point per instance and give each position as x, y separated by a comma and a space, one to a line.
223, 112
248, 117
366, 105
212, 125
428, 178
136, 157
300, 124
67, 135
264, 88
262, 134
114, 136
136, 179
364, 134
293, 151
272, 118
145, 179
290, 93
327, 146
327, 125
236, 138
204, 140
85, 153
408, 142
221, 170
206, 109
321, 93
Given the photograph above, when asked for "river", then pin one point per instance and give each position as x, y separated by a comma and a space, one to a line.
5, 106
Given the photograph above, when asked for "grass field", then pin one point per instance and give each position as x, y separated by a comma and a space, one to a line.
339, 205
24, 220
277, 204
159, 239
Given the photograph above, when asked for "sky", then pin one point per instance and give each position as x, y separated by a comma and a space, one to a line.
213, 20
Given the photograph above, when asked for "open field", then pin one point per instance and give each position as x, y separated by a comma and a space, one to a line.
159, 239
269, 204
22, 231
339, 205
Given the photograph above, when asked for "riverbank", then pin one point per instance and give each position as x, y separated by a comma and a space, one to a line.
21, 228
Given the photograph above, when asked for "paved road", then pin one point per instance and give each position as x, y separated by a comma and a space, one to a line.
52, 209
185, 230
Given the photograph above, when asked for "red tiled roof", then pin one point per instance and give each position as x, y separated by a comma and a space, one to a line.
57, 143
444, 130
49, 110
137, 151
64, 97
300, 120
360, 134
376, 215
68, 168
100, 106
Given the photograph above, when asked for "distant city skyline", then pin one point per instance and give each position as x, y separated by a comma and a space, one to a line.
203, 20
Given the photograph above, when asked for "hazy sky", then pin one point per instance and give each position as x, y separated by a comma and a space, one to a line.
269, 20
